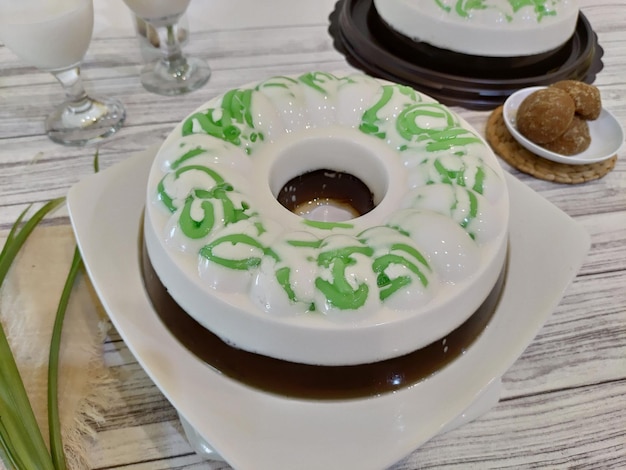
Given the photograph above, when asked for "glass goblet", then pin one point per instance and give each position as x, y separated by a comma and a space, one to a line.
174, 73
53, 35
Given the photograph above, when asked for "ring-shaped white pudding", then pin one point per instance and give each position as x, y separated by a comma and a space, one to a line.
331, 293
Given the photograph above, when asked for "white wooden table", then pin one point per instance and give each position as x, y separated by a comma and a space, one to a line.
564, 400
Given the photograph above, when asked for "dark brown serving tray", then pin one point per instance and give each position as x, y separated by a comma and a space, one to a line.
452, 78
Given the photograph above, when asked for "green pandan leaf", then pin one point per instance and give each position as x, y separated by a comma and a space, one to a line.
22, 446
56, 442
21, 442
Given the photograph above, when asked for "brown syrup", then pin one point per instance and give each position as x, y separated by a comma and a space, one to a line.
310, 381
327, 186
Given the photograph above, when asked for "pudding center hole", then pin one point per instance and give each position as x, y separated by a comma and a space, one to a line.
326, 195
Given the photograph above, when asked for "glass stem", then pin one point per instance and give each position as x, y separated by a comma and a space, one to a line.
72, 83
173, 56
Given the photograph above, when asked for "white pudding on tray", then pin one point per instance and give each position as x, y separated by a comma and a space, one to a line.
489, 28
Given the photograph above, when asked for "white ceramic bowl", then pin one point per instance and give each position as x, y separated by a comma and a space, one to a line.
607, 135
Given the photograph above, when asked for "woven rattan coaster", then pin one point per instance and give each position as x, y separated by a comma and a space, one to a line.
517, 156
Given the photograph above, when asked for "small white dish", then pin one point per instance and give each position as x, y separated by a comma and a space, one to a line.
607, 135
256, 430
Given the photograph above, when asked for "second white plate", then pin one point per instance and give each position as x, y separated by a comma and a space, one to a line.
607, 136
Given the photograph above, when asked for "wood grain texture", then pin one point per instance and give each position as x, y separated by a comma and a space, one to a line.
564, 399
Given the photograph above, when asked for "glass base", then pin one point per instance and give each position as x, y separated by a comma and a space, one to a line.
92, 121
198, 443
175, 78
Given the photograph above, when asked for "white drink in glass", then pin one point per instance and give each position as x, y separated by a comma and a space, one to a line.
174, 73
153, 10
32, 33
53, 35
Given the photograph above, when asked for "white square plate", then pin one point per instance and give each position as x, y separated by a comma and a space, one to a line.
256, 430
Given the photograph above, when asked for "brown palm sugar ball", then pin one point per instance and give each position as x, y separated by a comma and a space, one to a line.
545, 114
574, 140
586, 97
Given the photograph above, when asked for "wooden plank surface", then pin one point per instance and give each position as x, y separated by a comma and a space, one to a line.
564, 400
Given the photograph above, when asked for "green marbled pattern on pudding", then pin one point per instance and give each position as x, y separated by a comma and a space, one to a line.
328, 267
464, 8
